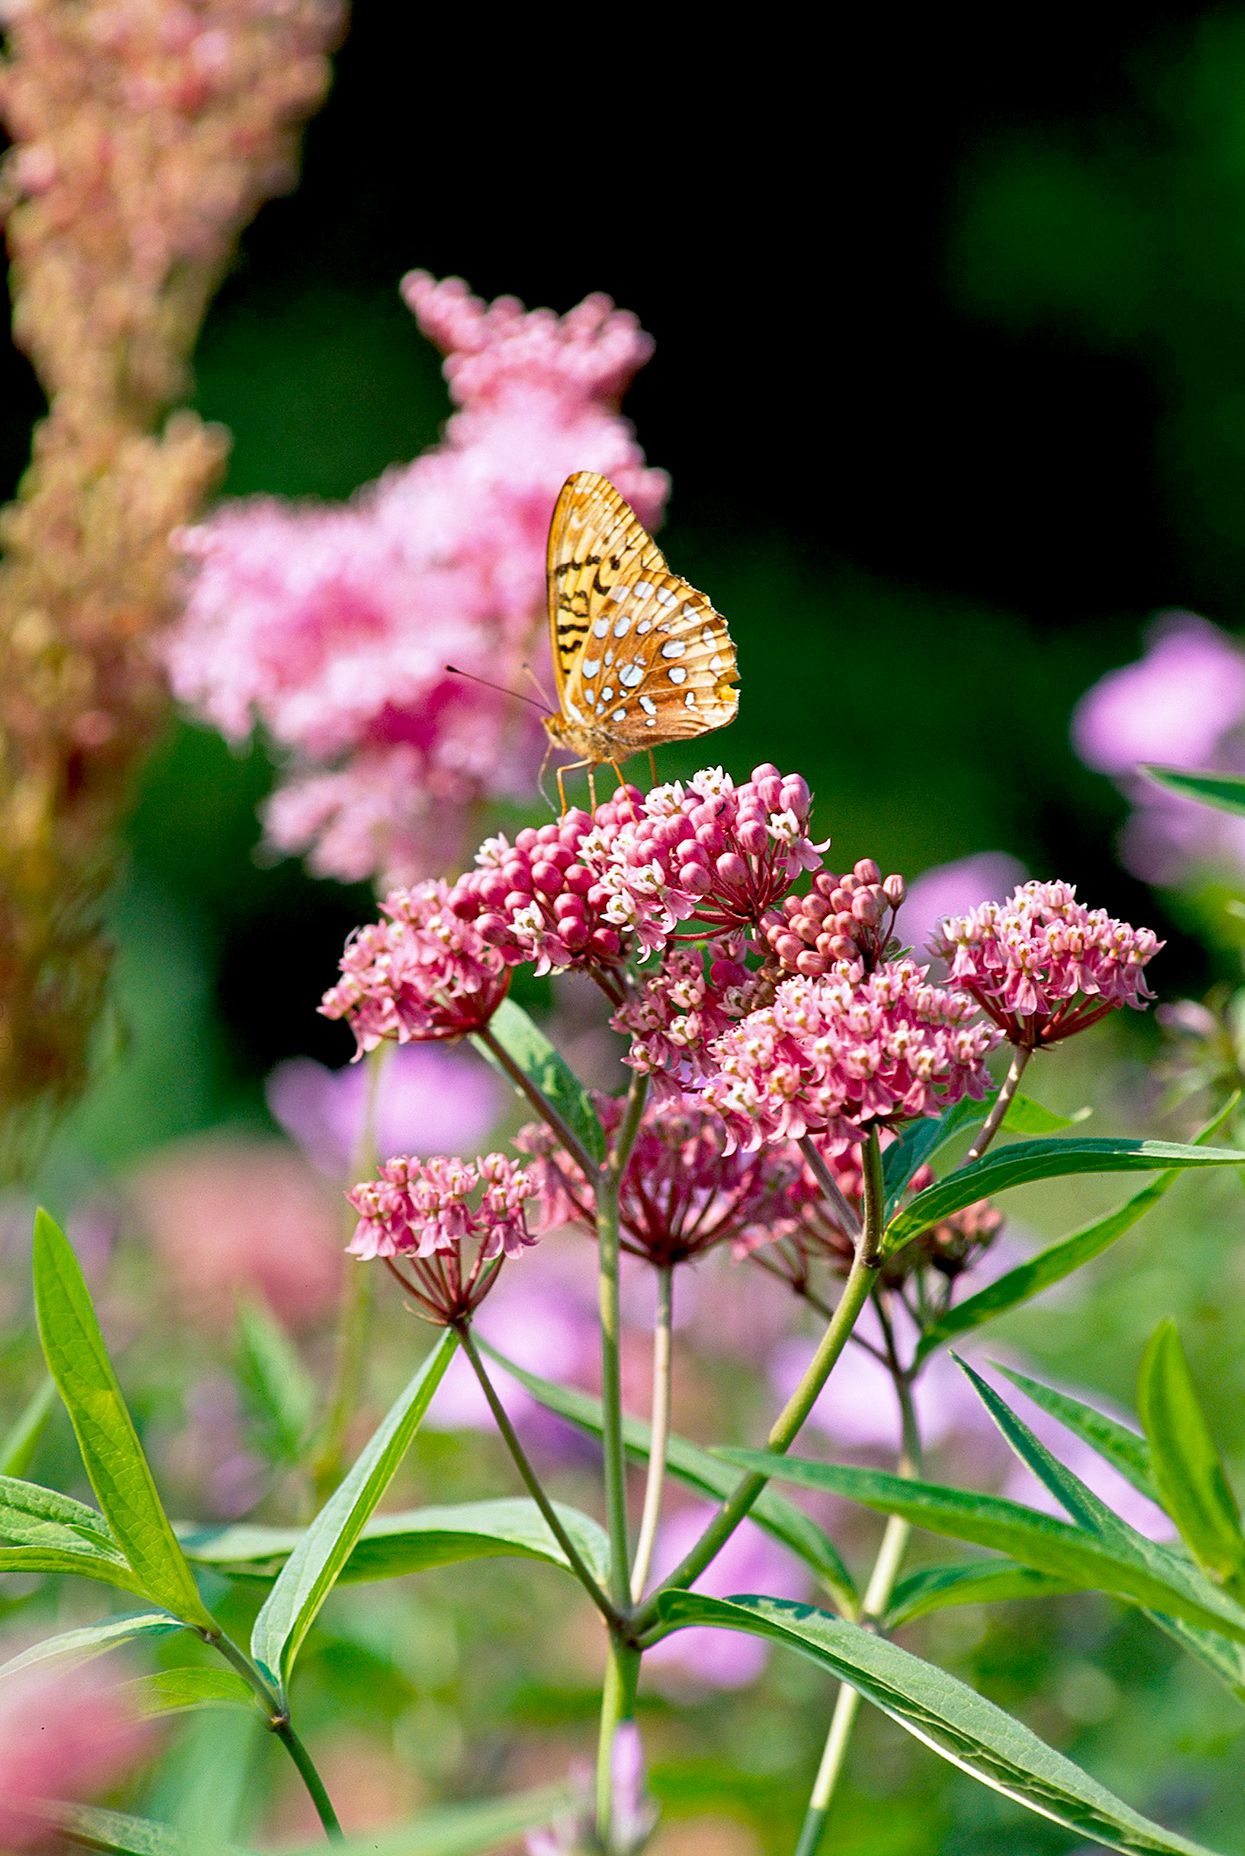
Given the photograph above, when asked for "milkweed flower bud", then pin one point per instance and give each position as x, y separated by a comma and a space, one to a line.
831, 1056
425, 973
1042, 965
444, 1219
689, 1000
847, 917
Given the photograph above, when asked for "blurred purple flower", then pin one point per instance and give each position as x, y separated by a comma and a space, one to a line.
1174, 705
749, 1562
431, 1100
953, 889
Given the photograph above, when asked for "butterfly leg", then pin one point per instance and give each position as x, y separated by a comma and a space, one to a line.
652, 766
573, 766
540, 778
622, 787
592, 783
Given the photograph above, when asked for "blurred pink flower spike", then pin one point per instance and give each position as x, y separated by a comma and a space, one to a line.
1174, 705
66, 1734
430, 1100
331, 627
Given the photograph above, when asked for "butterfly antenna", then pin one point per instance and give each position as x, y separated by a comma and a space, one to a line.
518, 695
537, 684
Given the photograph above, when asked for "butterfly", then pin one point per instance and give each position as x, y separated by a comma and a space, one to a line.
639, 656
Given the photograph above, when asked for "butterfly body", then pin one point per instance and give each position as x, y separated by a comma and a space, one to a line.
640, 657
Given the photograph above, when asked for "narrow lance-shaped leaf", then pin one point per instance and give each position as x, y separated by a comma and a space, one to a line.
703, 1471
21, 1440
1225, 791
1187, 1466
970, 1582
123, 1835
1024, 1162
315, 1565
945, 1714
118, 1470
530, 1050
1039, 1540
280, 1387
71, 1647
174, 1691
1126, 1450
44, 1531
1050, 1266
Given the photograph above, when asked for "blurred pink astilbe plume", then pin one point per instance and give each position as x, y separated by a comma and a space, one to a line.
331, 626
1182, 704
232, 1218
145, 134
66, 1735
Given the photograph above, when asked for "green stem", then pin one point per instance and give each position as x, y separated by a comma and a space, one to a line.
787, 1425
356, 1307
617, 1705
1002, 1102
611, 1365
532, 1481
279, 1724
562, 1129
659, 1427
873, 1608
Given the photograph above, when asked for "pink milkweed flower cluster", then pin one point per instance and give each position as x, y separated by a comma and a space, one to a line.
445, 1219
65, 1734
678, 1011
1043, 966
1182, 704
331, 627
682, 1193
423, 973
829, 1056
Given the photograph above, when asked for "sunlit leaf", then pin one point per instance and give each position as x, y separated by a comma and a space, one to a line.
1186, 1463
530, 1050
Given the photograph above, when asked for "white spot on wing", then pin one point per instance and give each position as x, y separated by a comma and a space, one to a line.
645, 625
591, 666
643, 589
677, 674
618, 594
623, 626
689, 701
600, 627
665, 597
632, 674
606, 693
648, 705
609, 658
715, 664
620, 715
675, 648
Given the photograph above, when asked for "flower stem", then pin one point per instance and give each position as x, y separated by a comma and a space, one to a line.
354, 1314
561, 1128
873, 1606
279, 1723
532, 1481
617, 1705
611, 1175
786, 1426
659, 1423
1002, 1102
848, 1222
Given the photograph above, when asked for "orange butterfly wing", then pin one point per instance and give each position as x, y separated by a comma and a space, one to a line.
639, 655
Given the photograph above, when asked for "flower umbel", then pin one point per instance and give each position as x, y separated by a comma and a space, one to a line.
829, 1056
682, 1193
1042, 965
841, 918
446, 1220
424, 973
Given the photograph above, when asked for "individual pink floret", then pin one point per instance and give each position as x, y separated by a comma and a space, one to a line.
832, 1056
424, 973
1042, 965
682, 1193
444, 1219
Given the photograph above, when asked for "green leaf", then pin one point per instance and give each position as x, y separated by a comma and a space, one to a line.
701, 1470
21, 1440
459, 1830
207, 1774
1226, 791
43, 1531
970, 1582
133, 1836
918, 1142
943, 1713
174, 1691
1126, 1450
312, 1569
1023, 1162
1149, 1578
80, 1646
527, 1046
118, 1470
1025, 1116
280, 1387
393, 1545
1187, 1466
